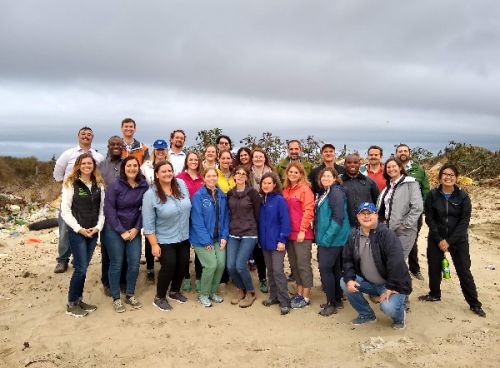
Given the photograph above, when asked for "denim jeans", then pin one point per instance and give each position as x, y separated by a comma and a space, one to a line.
214, 263
393, 308
82, 248
64, 250
118, 249
238, 253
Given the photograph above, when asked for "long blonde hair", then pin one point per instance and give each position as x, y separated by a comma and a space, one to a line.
75, 174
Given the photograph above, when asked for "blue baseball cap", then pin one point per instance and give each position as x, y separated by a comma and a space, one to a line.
160, 144
368, 206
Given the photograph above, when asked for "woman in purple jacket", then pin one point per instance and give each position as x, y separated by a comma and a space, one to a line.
122, 209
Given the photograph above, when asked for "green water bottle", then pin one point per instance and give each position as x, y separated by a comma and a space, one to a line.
445, 265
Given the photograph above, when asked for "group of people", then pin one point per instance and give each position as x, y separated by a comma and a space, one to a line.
239, 211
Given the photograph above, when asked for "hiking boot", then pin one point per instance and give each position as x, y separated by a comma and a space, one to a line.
428, 298
328, 310
162, 304
216, 298
75, 311
204, 300
61, 267
178, 297
186, 285
239, 297
248, 300
418, 275
284, 310
269, 302
361, 320
118, 305
299, 302
87, 307
150, 277
263, 286
133, 301
479, 311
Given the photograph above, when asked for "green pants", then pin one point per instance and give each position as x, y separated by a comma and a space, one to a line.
213, 263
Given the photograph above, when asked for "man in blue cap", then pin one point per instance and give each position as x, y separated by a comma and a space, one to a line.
374, 264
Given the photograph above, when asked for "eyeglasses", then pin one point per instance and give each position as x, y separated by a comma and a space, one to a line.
242, 173
448, 175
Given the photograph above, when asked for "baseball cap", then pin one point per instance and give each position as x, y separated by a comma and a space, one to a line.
160, 144
368, 206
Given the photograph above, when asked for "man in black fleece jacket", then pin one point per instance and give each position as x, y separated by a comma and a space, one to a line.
374, 264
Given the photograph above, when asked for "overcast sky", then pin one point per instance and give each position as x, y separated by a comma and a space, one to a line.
348, 72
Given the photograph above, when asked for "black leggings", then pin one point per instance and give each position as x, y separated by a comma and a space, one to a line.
173, 260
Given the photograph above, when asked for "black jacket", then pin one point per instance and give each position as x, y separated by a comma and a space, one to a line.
387, 254
448, 218
360, 189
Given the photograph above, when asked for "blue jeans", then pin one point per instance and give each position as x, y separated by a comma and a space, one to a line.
118, 249
63, 250
238, 252
82, 248
394, 308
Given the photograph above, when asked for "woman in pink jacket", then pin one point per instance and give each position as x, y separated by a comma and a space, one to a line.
300, 201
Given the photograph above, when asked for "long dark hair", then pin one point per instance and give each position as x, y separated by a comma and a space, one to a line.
176, 190
138, 177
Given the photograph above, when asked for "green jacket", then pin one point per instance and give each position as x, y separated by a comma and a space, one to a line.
414, 169
282, 165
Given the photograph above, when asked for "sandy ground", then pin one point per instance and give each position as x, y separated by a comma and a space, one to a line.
35, 331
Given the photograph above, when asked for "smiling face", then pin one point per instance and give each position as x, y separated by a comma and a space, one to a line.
393, 170
131, 169
165, 174
244, 157
225, 160
210, 178
294, 175
128, 130
258, 159
267, 185
85, 137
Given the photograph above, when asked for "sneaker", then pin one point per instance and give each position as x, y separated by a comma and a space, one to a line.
178, 297
248, 300
418, 275
61, 267
150, 277
263, 286
299, 302
75, 311
133, 301
328, 310
197, 285
479, 311
118, 305
269, 302
216, 298
284, 310
204, 300
428, 298
186, 285
162, 304
360, 320
400, 325
87, 307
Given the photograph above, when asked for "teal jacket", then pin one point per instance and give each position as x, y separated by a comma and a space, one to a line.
332, 221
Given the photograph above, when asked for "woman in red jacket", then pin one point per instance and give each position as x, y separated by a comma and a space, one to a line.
300, 200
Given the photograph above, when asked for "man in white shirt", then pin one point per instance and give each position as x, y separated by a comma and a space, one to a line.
64, 166
176, 151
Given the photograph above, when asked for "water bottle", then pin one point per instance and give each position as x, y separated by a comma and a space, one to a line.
445, 265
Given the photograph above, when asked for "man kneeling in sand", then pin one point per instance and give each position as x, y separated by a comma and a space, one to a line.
374, 265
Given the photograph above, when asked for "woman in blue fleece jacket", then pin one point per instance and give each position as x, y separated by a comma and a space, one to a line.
208, 234
332, 231
274, 229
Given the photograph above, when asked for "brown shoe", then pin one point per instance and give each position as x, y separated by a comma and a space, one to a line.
248, 300
239, 297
